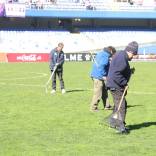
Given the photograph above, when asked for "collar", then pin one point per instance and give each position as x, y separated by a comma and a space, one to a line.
126, 55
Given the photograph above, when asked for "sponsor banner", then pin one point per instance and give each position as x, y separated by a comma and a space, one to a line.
15, 10
89, 57
30, 57
3, 57
141, 57
42, 57
2, 9
146, 56
78, 56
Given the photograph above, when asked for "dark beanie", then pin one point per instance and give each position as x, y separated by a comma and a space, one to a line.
132, 47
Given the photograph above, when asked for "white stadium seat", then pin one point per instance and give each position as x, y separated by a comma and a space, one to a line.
44, 41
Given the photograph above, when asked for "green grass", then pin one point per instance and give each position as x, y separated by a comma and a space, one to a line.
33, 123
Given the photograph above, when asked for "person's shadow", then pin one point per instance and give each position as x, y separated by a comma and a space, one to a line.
131, 106
76, 90
141, 125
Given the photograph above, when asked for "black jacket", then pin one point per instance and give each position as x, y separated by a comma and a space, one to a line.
119, 71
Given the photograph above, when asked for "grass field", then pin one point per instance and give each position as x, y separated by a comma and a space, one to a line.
33, 123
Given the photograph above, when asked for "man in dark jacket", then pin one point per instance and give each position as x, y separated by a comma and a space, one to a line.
56, 63
118, 77
98, 74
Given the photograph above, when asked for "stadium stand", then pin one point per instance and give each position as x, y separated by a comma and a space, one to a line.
34, 34
139, 5
44, 41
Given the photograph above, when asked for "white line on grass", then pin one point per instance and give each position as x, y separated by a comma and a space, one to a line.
2, 83
73, 89
43, 86
22, 84
142, 93
31, 77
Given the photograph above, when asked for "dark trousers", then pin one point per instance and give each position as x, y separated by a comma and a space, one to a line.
117, 94
60, 77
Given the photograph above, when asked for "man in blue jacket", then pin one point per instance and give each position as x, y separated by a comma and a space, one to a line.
118, 77
56, 63
98, 74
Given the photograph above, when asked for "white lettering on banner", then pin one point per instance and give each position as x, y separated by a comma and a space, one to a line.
79, 57
31, 57
87, 57
72, 57
65, 57
15, 10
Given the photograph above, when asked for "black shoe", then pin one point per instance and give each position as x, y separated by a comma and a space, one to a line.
109, 107
127, 128
94, 110
123, 131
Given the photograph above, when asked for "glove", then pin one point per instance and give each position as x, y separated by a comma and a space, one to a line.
132, 70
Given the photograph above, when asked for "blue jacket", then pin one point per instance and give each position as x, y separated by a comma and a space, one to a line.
119, 71
101, 65
56, 57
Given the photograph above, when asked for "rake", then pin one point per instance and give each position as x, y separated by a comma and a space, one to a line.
47, 83
116, 115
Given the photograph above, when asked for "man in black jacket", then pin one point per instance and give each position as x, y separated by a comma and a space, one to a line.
56, 63
118, 77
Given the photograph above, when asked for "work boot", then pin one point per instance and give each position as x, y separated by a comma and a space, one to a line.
122, 131
94, 110
108, 107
